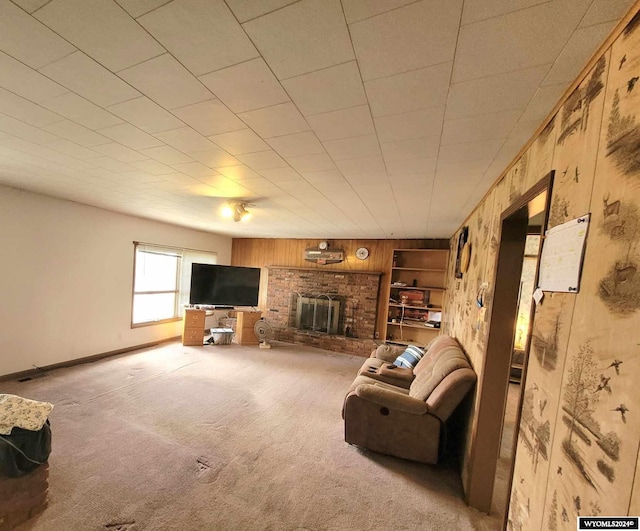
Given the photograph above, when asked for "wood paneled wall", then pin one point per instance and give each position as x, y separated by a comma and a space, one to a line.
264, 252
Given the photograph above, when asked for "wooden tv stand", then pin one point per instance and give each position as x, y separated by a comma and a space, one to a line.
194, 324
245, 321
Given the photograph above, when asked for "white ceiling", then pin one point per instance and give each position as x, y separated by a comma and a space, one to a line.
340, 119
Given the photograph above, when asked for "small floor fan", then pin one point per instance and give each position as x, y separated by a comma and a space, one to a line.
264, 333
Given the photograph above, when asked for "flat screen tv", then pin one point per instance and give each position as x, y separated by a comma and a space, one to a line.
221, 285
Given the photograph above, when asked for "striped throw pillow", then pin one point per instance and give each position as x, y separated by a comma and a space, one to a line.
410, 357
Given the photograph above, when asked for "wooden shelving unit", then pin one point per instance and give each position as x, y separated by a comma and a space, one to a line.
416, 295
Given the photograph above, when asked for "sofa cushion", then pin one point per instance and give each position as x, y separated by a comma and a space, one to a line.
442, 359
410, 357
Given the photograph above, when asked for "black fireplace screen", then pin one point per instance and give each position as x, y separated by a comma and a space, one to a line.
318, 313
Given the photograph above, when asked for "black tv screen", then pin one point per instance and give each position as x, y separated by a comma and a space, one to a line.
221, 285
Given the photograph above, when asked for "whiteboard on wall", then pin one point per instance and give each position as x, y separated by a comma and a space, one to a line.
562, 254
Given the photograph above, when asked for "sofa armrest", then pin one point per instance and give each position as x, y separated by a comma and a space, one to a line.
387, 352
391, 399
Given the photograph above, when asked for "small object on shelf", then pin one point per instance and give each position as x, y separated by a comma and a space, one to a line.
413, 298
400, 284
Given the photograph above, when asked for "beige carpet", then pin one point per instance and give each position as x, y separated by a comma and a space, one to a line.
226, 438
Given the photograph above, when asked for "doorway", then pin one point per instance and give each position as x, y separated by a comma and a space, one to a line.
499, 399
519, 356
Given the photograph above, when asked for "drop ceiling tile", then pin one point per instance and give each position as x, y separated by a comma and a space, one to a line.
477, 128
358, 147
102, 30
203, 35
261, 186
111, 164
477, 10
501, 92
355, 10
325, 178
222, 183
263, 160
296, 187
329, 89
425, 166
146, 115
25, 131
143, 176
119, 152
195, 169
345, 123
166, 155
240, 142
246, 86
153, 167
581, 46
415, 148
238, 173
25, 111
249, 9
485, 149
315, 162
411, 37
277, 120
289, 39
214, 157
489, 47
73, 150
81, 111
410, 125
89, 79
137, 8
409, 91
185, 139
451, 174
306, 143
543, 102
605, 11
166, 82
130, 136
27, 40
281, 174
28, 83
209, 118
217, 180
30, 5
76, 133
369, 167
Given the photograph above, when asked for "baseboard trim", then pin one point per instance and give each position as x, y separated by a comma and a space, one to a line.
30, 373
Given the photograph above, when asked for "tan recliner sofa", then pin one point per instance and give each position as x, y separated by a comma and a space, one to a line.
402, 412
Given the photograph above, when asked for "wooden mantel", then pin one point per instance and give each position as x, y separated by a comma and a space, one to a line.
332, 271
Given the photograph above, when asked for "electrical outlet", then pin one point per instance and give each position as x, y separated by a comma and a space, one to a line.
376, 335
484, 285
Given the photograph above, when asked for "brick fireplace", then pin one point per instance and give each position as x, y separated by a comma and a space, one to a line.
354, 294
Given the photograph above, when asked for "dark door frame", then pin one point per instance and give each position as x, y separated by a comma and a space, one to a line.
493, 387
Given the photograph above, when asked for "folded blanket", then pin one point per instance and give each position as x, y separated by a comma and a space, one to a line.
16, 411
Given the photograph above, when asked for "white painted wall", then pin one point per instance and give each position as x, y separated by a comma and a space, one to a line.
66, 275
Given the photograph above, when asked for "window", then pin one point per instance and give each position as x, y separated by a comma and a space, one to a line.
161, 282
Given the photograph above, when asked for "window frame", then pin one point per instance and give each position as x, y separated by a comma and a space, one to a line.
182, 253
176, 291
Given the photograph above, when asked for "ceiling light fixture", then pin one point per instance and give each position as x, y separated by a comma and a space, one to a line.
236, 210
